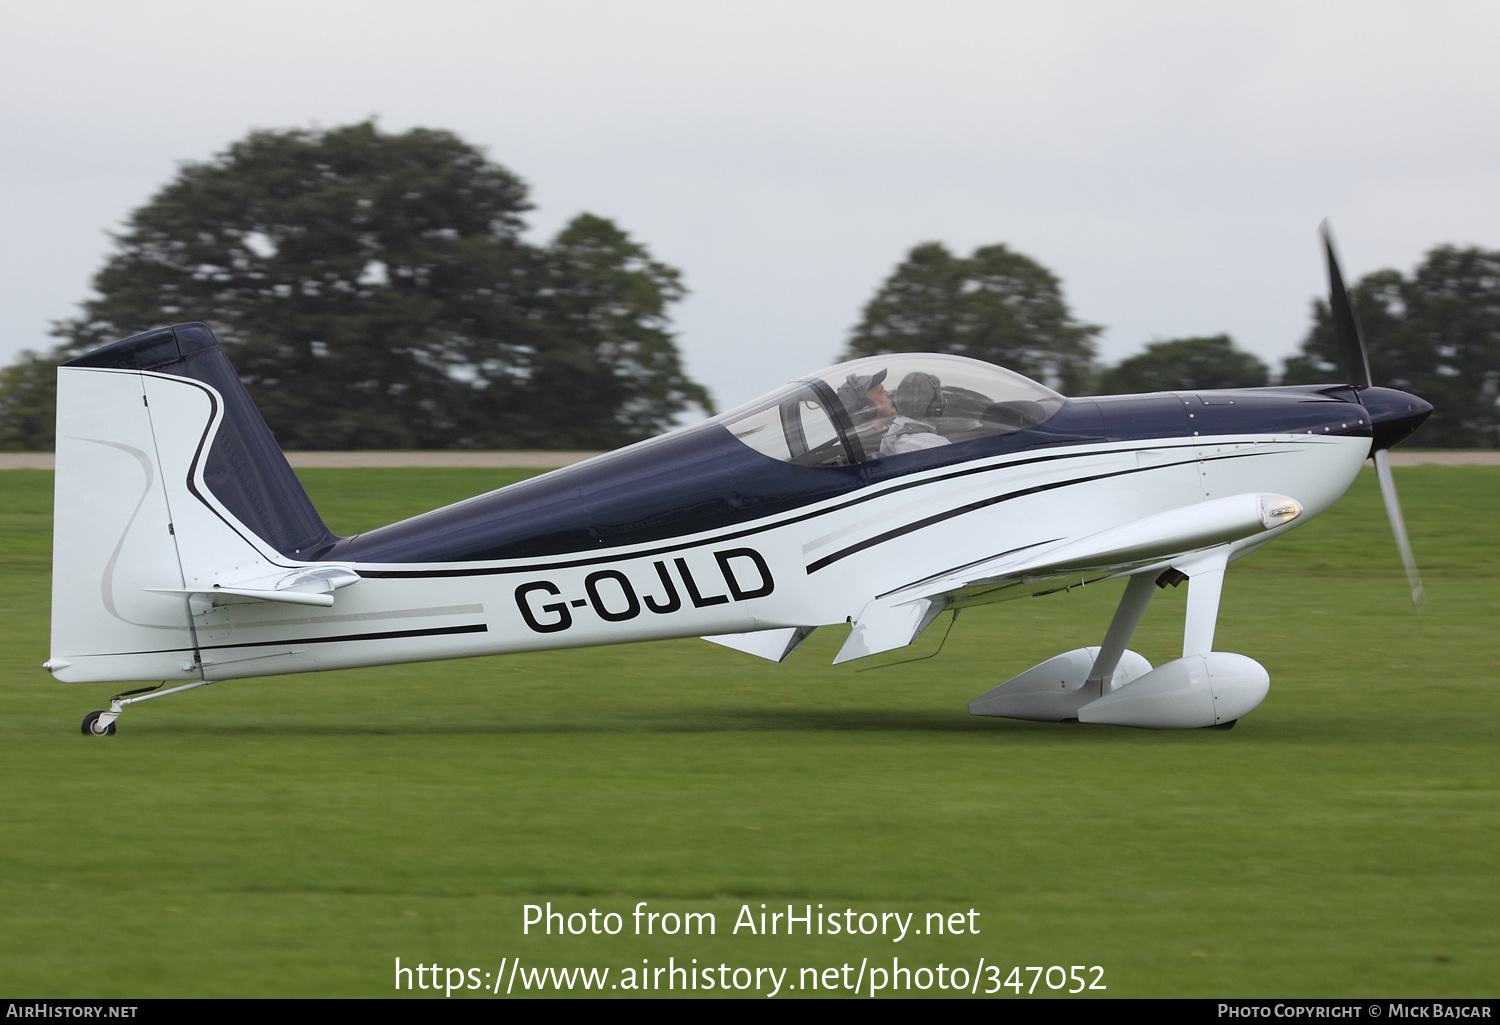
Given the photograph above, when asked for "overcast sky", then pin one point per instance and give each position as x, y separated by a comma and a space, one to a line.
1169, 161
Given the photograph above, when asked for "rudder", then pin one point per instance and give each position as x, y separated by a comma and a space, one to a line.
168, 482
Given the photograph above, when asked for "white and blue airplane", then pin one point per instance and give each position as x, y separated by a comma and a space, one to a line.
878, 493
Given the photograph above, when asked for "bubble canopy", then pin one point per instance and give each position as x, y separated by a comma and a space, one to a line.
887, 405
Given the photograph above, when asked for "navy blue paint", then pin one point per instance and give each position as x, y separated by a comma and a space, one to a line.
149, 349
1308, 392
696, 479
245, 467
702, 479
1143, 417
1317, 409
1393, 414
1276, 411
1396, 414
670, 546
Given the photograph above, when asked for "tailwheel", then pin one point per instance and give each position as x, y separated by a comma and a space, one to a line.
92, 727
102, 724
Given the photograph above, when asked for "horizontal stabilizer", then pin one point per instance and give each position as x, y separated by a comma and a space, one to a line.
250, 594
774, 645
299, 587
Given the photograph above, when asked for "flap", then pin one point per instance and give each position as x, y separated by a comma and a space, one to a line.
774, 645
885, 625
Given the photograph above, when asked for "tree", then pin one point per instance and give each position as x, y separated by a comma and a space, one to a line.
28, 403
373, 291
613, 358
1186, 364
996, 305
1436, 334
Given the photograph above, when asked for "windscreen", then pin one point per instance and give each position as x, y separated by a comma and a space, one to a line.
796, 425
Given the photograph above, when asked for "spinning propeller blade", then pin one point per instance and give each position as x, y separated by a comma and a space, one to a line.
1356, 360
1398, 526
1345, 323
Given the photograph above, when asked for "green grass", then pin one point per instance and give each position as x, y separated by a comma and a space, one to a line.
292, 836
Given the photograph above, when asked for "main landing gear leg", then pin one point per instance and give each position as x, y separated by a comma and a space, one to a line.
1132, 607
1205, 585
102, 724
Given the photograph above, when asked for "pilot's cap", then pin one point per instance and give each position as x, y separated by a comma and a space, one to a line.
854, 392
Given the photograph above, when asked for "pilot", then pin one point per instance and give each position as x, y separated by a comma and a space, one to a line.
918, 401
866, 398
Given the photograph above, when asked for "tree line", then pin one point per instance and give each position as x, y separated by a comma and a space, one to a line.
374, 291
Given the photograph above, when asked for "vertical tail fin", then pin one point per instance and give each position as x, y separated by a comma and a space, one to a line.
168, 481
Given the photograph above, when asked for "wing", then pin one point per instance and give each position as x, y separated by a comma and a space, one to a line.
894, 619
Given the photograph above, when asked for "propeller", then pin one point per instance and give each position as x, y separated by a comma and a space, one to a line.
1391, 424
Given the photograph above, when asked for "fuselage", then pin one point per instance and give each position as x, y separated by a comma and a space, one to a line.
695, 534
177, 516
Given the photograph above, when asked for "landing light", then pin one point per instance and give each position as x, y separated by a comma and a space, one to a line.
1276, 511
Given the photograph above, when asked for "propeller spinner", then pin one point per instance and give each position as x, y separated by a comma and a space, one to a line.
1394, 414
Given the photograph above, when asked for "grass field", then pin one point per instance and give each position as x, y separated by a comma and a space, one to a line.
292, 836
